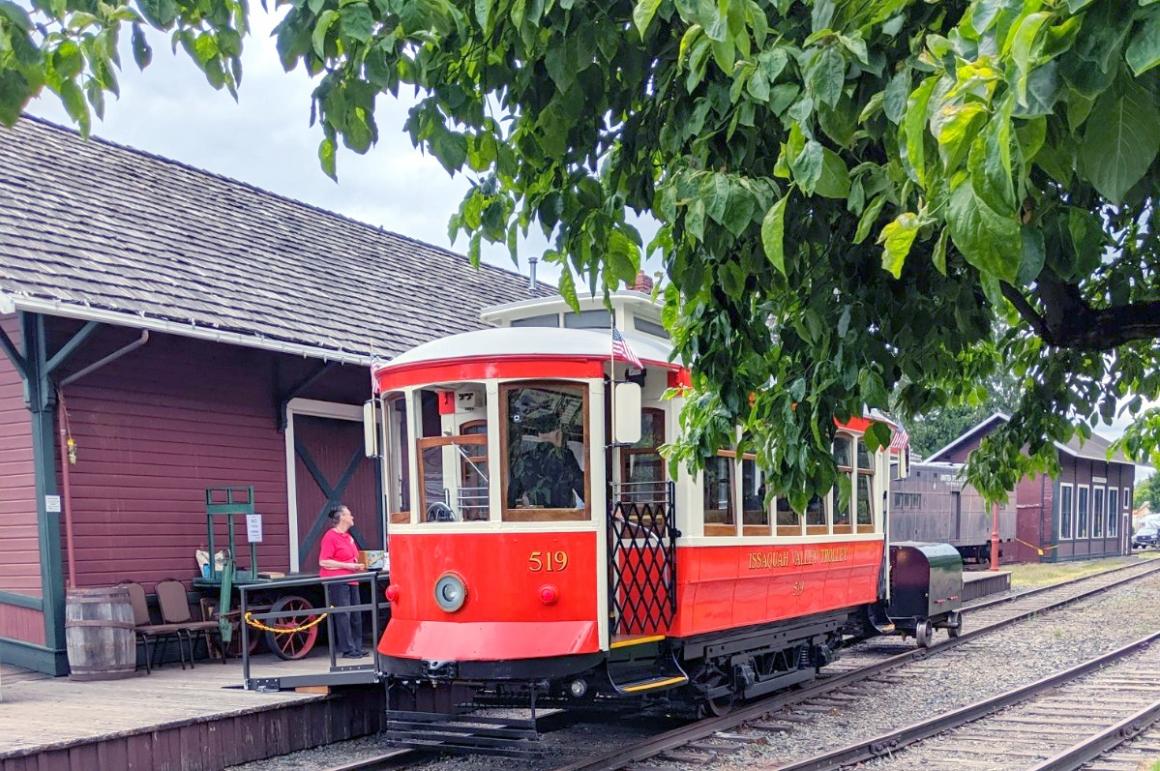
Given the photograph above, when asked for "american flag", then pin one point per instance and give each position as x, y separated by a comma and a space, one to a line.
621, 349
900, 439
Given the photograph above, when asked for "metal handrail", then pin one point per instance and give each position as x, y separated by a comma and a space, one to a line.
372, 576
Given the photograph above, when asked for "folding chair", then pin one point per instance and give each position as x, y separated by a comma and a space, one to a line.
144, 627
174, 603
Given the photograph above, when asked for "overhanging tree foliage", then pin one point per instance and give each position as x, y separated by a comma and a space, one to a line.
853, 195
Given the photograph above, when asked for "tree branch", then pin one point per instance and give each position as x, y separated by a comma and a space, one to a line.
1069, 321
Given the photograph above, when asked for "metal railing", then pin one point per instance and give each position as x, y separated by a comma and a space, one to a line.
359, 673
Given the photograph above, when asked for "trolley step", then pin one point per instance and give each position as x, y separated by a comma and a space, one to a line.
441, 732
642, 665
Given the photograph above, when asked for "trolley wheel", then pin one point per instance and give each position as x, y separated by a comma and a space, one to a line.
711, 677
955, 624
291, 645
924, 634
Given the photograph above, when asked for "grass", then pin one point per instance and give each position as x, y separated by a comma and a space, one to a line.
1027, 576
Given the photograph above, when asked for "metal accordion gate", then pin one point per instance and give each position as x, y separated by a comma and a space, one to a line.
642, 565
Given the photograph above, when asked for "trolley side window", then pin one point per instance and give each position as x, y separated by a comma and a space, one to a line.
399, 460
754, 513
844, 458
545, 445
864, 491
789, 522
452, 455
642, 469
720, 514
816, 520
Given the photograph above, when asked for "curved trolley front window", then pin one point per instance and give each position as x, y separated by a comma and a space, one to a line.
545, 446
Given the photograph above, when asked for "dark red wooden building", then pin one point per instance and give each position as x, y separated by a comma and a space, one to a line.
186, 330
1084, 513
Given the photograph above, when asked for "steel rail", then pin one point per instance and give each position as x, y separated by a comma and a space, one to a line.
1088, 750
704, 729
888, 743
390, 759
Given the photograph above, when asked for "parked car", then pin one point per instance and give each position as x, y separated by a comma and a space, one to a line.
1146, 536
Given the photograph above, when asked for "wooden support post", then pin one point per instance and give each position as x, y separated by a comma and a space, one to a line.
994, 536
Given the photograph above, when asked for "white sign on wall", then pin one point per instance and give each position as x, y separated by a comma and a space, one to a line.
254, 528
52, 504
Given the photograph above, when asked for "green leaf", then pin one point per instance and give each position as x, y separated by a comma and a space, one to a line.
67, 59
142, 53
1033, 257
1119, 147
74, 103
986, 239
773, 234
825, 75
896, 239
914, 129
567, 287
623, 256
956, 126
325, 21
1023, 50
1144, 51
877, 436
939, 255
326, 158
357, 23
897, 91
642, 14
450, 148
834, 181
869, 217
807, 166
159, 13
15, 14
483, 10
732, 279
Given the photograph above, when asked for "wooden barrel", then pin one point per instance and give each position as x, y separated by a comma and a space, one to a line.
99, 629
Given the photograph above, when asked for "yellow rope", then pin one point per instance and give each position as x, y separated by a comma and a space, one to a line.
283, 630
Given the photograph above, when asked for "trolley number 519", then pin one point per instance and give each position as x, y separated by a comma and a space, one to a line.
547, 561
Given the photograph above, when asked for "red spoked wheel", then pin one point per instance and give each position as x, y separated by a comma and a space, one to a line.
301, 633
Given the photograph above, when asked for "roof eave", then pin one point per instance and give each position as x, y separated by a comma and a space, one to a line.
13, 303
954, 442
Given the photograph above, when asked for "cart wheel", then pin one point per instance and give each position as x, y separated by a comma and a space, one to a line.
924, 634
955, 624
291, 645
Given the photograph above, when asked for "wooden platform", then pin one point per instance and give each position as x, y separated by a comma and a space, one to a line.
980, 583
172, 719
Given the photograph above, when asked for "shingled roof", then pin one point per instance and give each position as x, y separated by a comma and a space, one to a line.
94, 230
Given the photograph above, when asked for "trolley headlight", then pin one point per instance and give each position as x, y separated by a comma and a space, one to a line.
450, 592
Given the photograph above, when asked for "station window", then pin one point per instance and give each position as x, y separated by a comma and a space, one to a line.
720, 517
1081, 511
844, 458
545, 444
398, 460
453, 459
789, 522
1097, 512
754, 513
864, 492
642, 469
1066, 512
1113, 512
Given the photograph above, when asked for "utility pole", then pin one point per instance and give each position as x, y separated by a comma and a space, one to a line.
994, 536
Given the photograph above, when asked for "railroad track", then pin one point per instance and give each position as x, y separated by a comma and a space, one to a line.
723, 733
1080, 715
695, 743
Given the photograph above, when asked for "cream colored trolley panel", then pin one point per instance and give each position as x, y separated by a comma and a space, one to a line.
598, 493
495, 466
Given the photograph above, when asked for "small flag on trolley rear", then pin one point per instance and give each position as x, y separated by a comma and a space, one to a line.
900, 439
621, 349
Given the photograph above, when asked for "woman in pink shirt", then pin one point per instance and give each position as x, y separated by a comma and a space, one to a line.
338, 556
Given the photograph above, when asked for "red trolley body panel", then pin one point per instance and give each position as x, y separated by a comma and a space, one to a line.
724, 587
529, 595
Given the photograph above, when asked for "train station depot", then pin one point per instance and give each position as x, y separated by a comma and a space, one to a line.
167, 330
